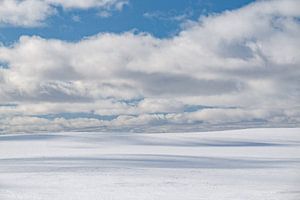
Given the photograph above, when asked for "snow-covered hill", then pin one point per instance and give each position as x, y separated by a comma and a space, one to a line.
241, 164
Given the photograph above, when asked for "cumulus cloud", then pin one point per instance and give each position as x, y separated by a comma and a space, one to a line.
237, 68
24, 13
32, 13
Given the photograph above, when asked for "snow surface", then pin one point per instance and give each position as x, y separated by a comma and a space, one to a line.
260, 164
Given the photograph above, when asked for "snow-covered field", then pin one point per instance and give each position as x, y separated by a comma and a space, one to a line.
260, 164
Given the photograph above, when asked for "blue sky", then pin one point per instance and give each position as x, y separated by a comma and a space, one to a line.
145, 65
75, 24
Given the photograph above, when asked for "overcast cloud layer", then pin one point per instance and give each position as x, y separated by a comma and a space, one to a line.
240, 68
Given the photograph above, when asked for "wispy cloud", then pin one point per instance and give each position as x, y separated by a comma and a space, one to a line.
33, 13
169, 16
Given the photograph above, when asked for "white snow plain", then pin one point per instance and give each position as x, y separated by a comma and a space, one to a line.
228, 165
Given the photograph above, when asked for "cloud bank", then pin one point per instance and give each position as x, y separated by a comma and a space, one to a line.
240, 68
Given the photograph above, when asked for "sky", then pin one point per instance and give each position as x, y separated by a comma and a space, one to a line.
148, 66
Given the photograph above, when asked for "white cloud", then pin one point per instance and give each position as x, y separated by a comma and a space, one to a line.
86, 4
243, 63
104, 14
169, 16
26, 13
32, 13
